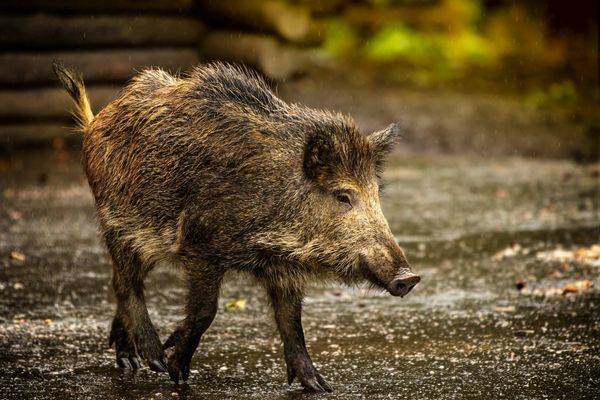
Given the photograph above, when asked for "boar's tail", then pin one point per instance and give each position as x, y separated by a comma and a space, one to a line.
73, 84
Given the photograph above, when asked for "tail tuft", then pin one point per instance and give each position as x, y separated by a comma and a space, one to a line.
72, 82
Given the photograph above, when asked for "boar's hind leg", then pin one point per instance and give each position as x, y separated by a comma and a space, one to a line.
201, 307
287, 305
132, 331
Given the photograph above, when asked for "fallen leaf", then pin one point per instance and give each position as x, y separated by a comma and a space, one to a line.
510, 251
18, 256
236, 305
570, 288
584, 255
555, 255
576, 287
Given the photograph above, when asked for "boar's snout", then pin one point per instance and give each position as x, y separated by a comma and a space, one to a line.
386, 267
401, 285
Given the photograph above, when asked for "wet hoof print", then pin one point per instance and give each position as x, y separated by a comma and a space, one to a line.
212, 171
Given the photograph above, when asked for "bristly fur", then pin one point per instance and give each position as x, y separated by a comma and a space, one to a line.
72, 82
213, 172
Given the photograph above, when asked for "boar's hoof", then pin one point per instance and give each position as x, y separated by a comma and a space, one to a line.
124, 347
316, 384
150, 349
131, 362
308, 376
157, 365
179, 366
181, 358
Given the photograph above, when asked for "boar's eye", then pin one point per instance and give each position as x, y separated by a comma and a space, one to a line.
343, 197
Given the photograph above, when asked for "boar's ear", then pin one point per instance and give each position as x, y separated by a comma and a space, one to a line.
318, 152
383, 141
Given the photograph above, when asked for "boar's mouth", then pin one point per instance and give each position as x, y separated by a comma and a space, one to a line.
370, 275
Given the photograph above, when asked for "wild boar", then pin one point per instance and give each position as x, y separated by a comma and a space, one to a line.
212, 172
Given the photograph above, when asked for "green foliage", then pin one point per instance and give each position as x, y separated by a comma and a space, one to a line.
447, 39
440, 53
436, 53
398, 42
340, 38
470, 48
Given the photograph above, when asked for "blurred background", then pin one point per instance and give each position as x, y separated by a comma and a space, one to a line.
494, 194
492, 77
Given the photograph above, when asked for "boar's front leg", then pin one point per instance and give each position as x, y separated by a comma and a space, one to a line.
202, 301
287, 305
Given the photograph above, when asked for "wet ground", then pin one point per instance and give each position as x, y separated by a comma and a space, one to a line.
509, 304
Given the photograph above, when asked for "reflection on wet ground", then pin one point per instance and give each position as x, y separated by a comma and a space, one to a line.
474, 229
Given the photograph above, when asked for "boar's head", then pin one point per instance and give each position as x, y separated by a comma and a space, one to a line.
347, 232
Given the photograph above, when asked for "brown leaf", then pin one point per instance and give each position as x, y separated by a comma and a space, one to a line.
570, 288
18, 256
577, 287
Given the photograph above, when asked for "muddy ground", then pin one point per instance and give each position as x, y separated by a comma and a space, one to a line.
476, 230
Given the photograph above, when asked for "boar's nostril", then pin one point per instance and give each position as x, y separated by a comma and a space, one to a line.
402, 285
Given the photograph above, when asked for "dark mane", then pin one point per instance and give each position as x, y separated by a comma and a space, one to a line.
237, 84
